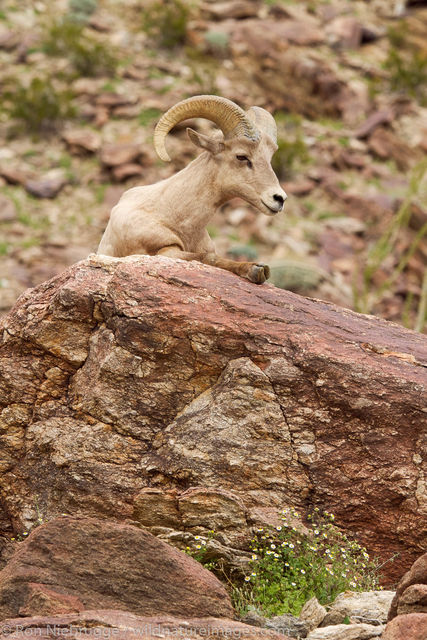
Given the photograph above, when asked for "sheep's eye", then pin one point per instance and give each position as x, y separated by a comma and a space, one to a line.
245, 159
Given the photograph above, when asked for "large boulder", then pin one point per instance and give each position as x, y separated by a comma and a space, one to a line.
408, 612
123, 625
72, 564
412, 626
126, 383
411, 592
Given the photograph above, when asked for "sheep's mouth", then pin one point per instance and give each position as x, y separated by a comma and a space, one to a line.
272, 210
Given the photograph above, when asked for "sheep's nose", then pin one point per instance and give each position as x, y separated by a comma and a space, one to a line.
279, 199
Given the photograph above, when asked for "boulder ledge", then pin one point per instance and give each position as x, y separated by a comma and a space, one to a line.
161, 391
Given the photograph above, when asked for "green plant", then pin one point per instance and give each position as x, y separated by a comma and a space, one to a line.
422, 308
289, 567
217, 43
147, 116
199, 551
406, 64
38, 106
165, 21
203, 70
366, 295
68, 39
292, 150
81, 10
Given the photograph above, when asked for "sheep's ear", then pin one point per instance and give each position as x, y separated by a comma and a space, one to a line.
200, 140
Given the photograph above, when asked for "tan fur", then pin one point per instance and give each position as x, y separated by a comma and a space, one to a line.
170, 217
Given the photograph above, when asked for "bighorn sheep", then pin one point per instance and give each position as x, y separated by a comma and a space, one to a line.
169, 218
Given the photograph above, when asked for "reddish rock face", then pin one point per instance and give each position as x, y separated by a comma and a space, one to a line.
122, 375
71, 564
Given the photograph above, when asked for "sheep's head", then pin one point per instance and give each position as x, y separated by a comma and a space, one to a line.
243, 154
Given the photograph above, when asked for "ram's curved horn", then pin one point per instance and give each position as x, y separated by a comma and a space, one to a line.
227, 115
264, 121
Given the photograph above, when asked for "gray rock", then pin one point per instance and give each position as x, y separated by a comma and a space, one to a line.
370, 607
7, 209
312, 613
288, 625
347, 632
48, 186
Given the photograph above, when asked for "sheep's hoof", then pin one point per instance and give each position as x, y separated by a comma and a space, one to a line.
259, 273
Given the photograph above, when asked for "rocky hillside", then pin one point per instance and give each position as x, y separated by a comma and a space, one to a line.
84, 81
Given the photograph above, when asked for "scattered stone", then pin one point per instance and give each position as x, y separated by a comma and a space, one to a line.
300, 187
83, 563
125, 171
312, 613
347, 159
7, 209
113, 155
236, 9
13, 175
346, 632
27, 42
82, 141
136, 73
370, 607
270, 38
300, 33
288, 625
112, 100
101, 116
88, 86
9, 39
418, 216
309, 85
47, 187
383, 116
386, 145
412, 626
127, 111
100, 23
345, 32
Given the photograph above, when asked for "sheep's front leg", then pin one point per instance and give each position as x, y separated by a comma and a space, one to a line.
253, 271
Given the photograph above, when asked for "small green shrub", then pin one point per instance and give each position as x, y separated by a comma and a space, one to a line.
81, 10
292, 150
148, 115
68, 39
289, 567
406, 65
165, 21
199, 552
39, 106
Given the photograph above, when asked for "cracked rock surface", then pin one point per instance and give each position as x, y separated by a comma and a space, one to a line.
161, 391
